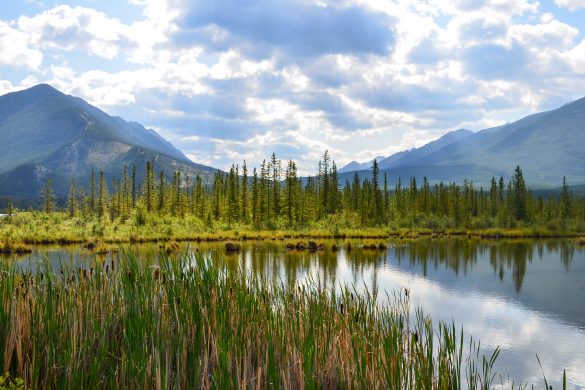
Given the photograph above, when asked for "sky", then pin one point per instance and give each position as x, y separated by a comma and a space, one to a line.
233, 80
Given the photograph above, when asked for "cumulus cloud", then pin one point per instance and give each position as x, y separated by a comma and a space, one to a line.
299, 28
229, 80
69, 28
15, 49
570, 4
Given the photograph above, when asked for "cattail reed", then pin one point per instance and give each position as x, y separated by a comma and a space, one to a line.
185, 336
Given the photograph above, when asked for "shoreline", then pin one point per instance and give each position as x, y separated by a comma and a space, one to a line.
283, 235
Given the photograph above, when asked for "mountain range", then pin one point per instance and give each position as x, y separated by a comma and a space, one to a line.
44, 133
547, 146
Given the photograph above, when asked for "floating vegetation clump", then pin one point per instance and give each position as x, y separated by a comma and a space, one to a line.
170, 247
9, 247
233, 247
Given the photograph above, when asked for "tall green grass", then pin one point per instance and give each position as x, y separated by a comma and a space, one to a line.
181, 322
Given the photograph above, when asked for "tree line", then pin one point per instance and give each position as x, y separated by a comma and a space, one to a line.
274, 196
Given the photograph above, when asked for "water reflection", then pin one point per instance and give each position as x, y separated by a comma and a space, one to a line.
525, 296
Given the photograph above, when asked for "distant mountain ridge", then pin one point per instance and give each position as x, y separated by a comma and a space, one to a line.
547, 146
356, 166
403, 158
47, 133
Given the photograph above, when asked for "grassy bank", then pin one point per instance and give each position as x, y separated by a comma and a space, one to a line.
58, 228
184, 323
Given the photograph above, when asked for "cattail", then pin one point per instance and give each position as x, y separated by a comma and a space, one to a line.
107, 269
164, 278
415, 337
342, 308
84, 273
406, 292
156, 274
112, 264
91, 271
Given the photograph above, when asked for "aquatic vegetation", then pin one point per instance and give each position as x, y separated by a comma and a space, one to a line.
183, 322
14, 247
170, 247
233, 247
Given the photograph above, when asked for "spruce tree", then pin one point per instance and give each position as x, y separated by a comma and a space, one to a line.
519, 195
244, 192
71, 199
92, 204
255, 198
377, 196
102, 195
48, 196
133, 185
565, 200
161, 193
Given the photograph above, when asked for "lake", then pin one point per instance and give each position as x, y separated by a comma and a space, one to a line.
525, 296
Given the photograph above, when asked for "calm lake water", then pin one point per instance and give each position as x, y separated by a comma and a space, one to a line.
525, 296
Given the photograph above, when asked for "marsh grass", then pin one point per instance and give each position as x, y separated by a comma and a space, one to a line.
34, 227
181, 322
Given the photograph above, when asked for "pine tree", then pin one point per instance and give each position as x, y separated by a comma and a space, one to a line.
199, 198
519, 195
149, 186
255, 198
217, 191
102, 195
334, 189
232, 197
244, 192
291, 191
565, 200
126, 194
71, 199
48, 196
324, 189
133, 185
376, 192
355, 191
177, 194
385, 193
494, 197
161, 193
92, 204
276, 174
264, 194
